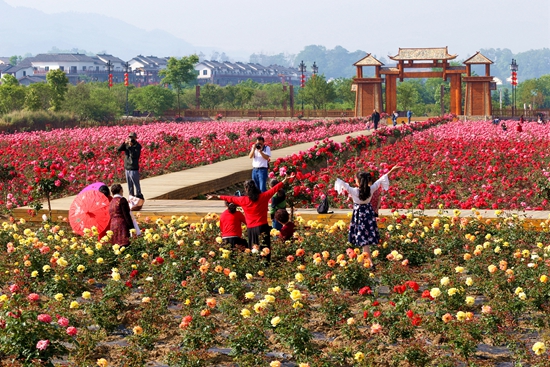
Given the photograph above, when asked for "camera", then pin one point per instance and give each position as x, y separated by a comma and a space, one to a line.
258, 146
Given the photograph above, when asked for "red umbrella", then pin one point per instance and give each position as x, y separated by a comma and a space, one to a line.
89, 208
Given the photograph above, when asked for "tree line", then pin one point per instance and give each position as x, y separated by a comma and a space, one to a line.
95, 101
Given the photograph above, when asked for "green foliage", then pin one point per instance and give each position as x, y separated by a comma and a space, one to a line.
35, 120
38, 97
152, 98
93, 102
58, 82
317, 92
180, 72
12, 95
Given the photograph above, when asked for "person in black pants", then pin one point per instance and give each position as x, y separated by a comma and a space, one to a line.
375, 117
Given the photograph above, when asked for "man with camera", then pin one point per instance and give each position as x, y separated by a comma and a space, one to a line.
132, 151
260, 155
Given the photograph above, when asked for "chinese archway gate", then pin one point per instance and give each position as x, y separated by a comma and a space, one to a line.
423, 63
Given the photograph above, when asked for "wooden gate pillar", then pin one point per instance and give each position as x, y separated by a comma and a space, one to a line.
368, 96
391, 93
478, 96
456, 94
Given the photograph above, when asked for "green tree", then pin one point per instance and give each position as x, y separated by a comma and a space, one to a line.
152, 98
9, 80
14, 60
211, 96
178, 73
92, 101
12, 95
38, 97
344, 94
407, 96
58, 82
318, 92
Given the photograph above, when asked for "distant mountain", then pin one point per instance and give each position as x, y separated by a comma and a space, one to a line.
25, 30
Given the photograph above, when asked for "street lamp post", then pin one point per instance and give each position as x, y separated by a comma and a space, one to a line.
302, 67
315, 69
514, 70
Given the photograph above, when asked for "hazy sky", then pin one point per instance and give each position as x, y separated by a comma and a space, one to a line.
376, 26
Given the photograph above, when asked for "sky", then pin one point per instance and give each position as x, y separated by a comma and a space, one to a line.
379, 27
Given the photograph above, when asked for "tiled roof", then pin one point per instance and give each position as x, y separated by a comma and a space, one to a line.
106, 57
368, 60
437, 53
61, 58
478, 58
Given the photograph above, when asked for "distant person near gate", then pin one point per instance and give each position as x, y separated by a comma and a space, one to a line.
375, 117
409, 115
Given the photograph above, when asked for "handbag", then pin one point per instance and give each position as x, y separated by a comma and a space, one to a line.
135, 203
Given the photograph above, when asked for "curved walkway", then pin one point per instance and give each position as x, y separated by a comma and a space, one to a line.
170, 195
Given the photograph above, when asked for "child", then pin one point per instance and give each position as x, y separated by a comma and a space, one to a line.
287, 230
230, 225
278, 201
363, 230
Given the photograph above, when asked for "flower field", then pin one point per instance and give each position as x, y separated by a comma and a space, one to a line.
463, 165
84, 156
455, 291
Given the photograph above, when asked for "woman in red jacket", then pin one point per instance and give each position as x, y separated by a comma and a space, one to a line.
255, 204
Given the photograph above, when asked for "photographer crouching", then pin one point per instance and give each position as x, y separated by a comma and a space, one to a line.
260, 155
132, 151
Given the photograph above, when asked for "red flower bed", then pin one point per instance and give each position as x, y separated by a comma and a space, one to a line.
463, 165
89, 155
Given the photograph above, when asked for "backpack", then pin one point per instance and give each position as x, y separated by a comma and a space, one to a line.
322, 208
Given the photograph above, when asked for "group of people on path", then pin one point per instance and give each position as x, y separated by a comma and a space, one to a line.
375, 118
257, 203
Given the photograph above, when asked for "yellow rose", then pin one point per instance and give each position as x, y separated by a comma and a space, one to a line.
461, 316
543, 278
299, 277
470, 300
359, 356
437, 251
249, 295
452, 291
435, 292
539, 348
469, 281
444, 281
102, 362
59, 297
86, 295
138, 330
459, 269
296, 295
297, 305
275, 321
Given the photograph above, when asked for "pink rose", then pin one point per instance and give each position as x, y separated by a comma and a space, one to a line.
57, 183
375, 328
72, 331
42, 344
14, 288
44, 317
63, 321
33, 297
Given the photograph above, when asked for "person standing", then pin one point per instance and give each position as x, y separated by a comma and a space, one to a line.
409, 115
363, 230
121, 219
260, 155
394, 116
132, 151
254, 204
375, 117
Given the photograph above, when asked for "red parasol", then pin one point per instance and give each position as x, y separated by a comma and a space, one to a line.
89, 208
94, 186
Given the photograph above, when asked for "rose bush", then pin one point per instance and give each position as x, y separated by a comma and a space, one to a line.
454, 284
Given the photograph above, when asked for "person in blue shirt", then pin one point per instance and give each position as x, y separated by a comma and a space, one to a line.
409, 115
